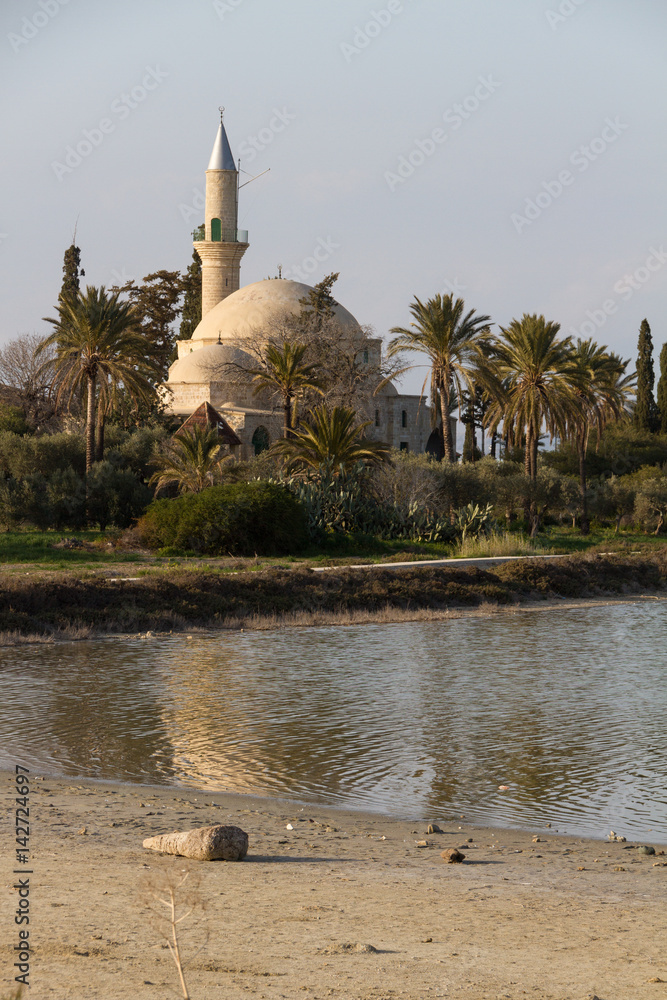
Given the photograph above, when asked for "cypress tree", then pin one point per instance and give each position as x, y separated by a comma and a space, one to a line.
191, 311
71, 271
645, 407
662, 390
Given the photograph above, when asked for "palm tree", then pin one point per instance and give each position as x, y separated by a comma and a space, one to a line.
97, 345
284, 373
603, 392
538, 380
331, 438
192, 461
454, 344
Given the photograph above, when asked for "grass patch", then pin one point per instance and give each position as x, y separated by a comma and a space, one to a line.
58, 549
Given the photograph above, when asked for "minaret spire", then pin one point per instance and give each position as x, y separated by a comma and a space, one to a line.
221, 157
219, 242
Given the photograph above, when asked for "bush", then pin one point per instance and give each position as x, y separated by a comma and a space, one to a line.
44, 453
245, 519
115, 496
12, 418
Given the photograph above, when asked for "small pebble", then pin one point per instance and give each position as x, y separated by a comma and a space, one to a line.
433, 828
645, 850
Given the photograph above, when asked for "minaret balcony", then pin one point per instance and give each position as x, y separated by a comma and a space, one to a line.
220, 235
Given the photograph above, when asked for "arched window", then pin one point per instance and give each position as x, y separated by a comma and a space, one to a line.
260, 440
216, 230
404, 418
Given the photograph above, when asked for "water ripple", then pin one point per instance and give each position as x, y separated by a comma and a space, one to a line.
567, 708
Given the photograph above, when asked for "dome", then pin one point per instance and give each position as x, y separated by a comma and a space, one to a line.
204, 364
259, 308
388, 390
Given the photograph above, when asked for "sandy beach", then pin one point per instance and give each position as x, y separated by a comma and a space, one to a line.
343, 904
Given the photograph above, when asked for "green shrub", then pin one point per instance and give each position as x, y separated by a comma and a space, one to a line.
115, 496
234, 519
43, 453
12, 418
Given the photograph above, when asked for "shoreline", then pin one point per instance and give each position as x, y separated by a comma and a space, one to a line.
67, 605
324, 617
335, 902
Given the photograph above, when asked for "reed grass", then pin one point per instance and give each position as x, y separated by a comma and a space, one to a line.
502, 543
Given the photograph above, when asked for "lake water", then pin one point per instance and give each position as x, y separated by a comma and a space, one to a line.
568, 708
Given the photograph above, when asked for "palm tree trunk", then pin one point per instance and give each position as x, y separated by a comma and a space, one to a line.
585, 523
99, 449
287, 421
528, 453
90, 424
447, 443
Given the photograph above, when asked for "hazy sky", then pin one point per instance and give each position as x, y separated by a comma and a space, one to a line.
510, 150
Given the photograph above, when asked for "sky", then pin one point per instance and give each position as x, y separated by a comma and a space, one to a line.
509, 151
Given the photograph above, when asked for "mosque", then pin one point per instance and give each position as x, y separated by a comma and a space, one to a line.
199, 381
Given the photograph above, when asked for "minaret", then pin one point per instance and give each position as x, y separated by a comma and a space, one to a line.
219, 242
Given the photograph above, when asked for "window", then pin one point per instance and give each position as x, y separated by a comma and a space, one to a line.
404, 446
216, 230
377, 418
365, 357
404, 418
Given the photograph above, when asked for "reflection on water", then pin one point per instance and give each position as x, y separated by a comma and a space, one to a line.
567, 708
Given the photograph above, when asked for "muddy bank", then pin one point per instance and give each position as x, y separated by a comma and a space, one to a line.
164, 600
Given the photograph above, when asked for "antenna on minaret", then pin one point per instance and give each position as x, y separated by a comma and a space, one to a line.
221, 109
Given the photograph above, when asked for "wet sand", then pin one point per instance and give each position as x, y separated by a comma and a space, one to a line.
345, 904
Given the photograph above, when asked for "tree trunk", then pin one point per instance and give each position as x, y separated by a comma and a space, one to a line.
90, 424
528, 452
448, 445
494, 442
99, 448
585, 523
533, 457
287, 421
